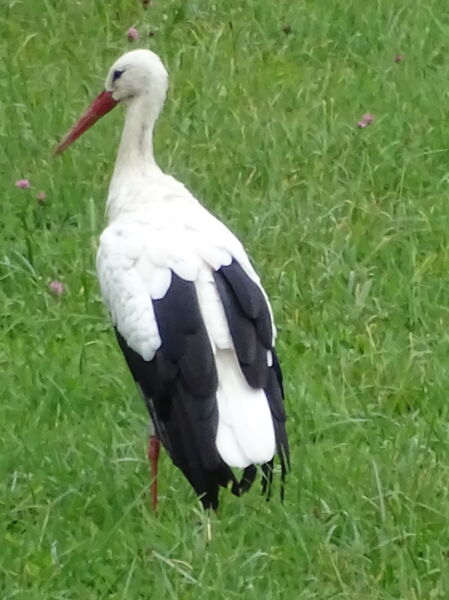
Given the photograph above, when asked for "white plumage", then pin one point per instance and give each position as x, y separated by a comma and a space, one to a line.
245, 428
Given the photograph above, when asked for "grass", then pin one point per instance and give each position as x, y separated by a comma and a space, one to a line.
350, 231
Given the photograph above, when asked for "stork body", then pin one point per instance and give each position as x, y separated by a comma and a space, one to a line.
190, 315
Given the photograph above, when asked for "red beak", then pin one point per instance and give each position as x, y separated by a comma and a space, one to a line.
102, 104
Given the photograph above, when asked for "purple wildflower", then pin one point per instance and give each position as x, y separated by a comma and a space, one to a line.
366, 119
23, 184
57, 287
132, 34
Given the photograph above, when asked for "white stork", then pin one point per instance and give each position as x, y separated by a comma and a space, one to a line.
190, 315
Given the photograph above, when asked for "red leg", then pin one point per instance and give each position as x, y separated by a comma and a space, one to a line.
153, 454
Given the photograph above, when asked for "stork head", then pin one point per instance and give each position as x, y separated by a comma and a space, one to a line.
136, 73
139, 73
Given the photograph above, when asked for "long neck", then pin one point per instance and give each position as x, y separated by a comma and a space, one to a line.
136, 146
135, 160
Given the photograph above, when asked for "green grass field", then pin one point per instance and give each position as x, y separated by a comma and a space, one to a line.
349, 229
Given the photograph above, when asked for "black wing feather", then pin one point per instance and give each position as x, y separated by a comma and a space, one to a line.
251, 300
246, 309
179, 386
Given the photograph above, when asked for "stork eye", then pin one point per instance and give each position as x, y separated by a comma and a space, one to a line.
116, 75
